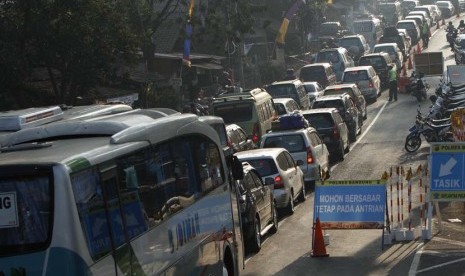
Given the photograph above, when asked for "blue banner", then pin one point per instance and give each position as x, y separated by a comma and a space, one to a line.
351, 204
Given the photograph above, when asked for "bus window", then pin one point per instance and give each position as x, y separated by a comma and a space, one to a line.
25, 213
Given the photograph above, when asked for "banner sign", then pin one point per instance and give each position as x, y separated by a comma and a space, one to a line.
350, 204
447, 171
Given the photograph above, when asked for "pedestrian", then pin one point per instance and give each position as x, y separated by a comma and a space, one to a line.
392, 83
425, 33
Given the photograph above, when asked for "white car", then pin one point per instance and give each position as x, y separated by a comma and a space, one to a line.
285, 106
393, 50
278, 164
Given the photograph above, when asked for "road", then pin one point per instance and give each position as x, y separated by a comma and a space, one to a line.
360, 252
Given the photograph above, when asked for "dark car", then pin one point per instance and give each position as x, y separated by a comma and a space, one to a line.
346, 107
323, 73
257, 207
238, 138
330, 33
314, 90
356, 45
380, 62
332, 129
459, 49
353, 91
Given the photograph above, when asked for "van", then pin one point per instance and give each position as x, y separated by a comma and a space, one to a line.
322, 73
356, 45
339, 58
412, 28
370, 28
253, 110
391, 12
290, 89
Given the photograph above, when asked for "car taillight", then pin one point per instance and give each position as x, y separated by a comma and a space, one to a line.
370, 84
278, 182
242, 204
256, 133
309, 156
335, 133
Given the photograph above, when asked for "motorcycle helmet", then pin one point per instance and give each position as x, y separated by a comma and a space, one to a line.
450, 22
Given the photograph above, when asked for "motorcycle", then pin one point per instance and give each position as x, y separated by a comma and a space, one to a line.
450, 37
430, 132
418, 87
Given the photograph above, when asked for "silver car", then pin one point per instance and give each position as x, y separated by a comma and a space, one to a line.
366, 79
278, 164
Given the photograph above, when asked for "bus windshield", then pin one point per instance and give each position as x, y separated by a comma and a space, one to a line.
25, 212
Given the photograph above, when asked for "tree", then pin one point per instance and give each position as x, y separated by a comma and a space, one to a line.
78, 42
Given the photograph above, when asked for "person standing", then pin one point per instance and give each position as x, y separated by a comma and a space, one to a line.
392, 83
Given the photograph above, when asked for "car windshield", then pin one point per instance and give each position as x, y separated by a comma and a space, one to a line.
320, 120
376, 62
405, 25
328, 56
293, 143
313, 73
387, 49
265, 167
354, 76
363, 26
310, 87
329, 29
234, 112
329, 103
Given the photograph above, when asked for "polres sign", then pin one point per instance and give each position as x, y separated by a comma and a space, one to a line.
447, 171
350, 204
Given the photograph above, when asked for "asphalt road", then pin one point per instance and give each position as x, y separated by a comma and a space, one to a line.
361, 252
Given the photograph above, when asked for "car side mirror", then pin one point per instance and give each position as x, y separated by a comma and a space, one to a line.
269, 181
299, 162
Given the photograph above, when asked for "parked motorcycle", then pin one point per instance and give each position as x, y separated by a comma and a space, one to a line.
418, 87
431, 133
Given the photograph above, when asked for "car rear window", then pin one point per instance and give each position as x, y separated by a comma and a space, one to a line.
313, 73
337, 103
264, 167
350, 42
234, 112
328, 56
353, 76
320, 120
280, 108
373, 61
387, 49
310, 88
293, 143
281, 90
338, 91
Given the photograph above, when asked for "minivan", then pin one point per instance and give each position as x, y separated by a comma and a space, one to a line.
412, 28
339, 58
290, 89
253, 110
356, 45
392, 12
370, 28
323, 73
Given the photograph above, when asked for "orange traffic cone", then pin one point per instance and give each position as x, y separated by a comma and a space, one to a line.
319, 249
418, 48
409, 64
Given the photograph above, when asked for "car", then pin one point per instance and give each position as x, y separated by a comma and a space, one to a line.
332, 129
356, 45
346, 107
391, 12
393, 50
409, 5
424, 14
314, 90
339, 58
393, 35
290, 89
436, 12
418, 18
370, 27
305, 144
429, 14
278, 164
321, 72
285, 106
331, 31
257, 207
380, 62
353, 91
366, 79
412, 28
459, 49
238, 138
446, 8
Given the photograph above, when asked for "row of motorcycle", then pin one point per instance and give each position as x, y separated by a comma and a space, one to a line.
436, 125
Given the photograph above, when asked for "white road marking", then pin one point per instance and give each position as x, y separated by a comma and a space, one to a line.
440, 265
416, 260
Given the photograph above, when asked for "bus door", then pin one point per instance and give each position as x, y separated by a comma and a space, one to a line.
125, 261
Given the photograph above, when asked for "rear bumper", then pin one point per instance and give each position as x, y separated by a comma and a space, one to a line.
369, 93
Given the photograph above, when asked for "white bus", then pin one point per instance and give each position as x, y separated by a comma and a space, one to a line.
142, 192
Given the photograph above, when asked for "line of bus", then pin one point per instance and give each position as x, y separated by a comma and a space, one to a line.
138, 192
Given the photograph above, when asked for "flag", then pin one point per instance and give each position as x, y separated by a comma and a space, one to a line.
285, 24
191, 9
187, 45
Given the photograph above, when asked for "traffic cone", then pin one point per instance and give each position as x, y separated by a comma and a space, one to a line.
409, 64
418, 48
319, 249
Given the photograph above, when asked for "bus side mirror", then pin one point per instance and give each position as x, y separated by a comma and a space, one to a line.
237, 170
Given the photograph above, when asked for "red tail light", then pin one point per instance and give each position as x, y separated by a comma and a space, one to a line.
278, 182
335, 133
256, 133
370, 84
310, 159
